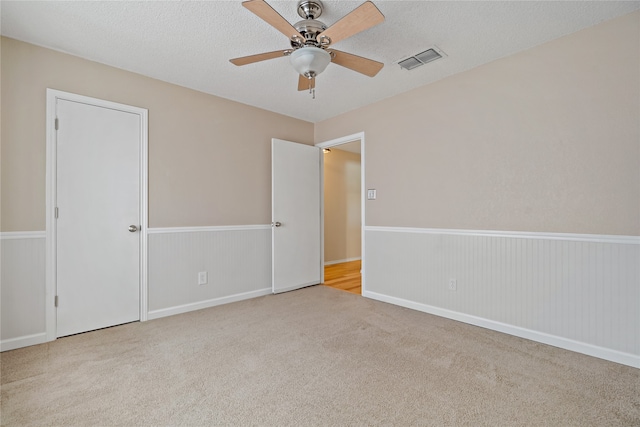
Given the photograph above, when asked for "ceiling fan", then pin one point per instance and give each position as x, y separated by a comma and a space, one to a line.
311, 40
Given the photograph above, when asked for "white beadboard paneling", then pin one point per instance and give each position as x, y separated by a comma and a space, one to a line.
237, 260
22, 292
579, 292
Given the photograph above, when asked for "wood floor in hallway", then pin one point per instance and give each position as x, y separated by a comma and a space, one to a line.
344, 276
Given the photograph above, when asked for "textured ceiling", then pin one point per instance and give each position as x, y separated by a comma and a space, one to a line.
189, 43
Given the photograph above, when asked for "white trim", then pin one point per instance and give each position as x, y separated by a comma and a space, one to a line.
564, 343
597, 238
340, 261
363, 199
322, 263
185, 308
166, 230
144, 209
11, 235
51, 196
50, 224
342, 140
24, 341
273, 274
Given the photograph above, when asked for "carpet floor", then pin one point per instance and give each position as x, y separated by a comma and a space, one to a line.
318, 357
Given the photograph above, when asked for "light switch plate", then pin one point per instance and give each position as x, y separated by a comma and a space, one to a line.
371, 194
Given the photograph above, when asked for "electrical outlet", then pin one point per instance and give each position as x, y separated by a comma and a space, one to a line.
453, 284
202, 278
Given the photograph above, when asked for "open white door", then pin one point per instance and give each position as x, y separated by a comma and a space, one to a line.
295, 215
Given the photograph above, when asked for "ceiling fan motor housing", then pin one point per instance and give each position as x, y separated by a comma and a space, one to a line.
309, 28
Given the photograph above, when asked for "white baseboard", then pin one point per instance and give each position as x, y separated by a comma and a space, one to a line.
27, 340
340, 261
185, 308
564, 343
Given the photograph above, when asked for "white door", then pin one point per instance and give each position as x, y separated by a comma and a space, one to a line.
98, 199
296, 225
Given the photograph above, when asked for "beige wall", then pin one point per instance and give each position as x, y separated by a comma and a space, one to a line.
209, 158
342, 202
545, 140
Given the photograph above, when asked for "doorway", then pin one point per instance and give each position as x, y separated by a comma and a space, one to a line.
96, 214
343, 213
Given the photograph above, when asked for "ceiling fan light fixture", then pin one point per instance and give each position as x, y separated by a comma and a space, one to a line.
310, 61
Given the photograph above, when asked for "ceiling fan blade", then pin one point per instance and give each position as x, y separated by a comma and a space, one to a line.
305, 83
271, 17
368, 67
257, 58
361, 18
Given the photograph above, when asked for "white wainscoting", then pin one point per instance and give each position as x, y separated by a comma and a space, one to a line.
237, 260
22, 292
578, 292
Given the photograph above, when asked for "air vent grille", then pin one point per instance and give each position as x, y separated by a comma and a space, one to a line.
420, 59
410, 63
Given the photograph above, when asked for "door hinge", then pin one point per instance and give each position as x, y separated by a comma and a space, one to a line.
57, 123
55, 213
55, 301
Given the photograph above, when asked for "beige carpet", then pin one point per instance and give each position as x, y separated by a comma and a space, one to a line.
316, 356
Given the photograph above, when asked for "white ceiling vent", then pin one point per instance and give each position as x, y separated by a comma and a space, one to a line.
421, 58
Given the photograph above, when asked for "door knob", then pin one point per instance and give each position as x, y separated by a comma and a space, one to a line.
277, 224
133, 228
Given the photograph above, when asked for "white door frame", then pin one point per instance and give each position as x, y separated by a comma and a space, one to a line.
333, 143
51, 183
